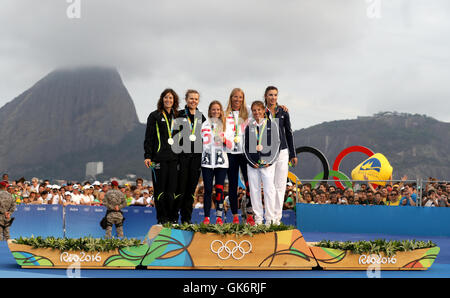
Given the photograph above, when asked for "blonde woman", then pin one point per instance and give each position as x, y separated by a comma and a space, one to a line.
190, 158
214, 160
236, 120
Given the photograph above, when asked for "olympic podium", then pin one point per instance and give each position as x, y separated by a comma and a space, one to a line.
173, 248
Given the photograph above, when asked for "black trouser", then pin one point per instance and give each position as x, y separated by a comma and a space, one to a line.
188, 176
209, 175
164, 185
237, 161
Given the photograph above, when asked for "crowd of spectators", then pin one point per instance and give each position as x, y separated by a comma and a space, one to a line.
401, 193
88, 193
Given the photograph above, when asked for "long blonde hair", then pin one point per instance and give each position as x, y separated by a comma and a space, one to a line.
243, 113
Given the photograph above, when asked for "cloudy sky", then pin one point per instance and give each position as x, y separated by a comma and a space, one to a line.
330, 59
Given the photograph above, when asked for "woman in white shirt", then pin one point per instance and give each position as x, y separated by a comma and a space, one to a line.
214, 160
236, 120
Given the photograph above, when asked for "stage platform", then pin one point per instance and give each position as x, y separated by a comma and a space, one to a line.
441, 267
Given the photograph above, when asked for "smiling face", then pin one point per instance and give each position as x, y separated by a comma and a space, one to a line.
168, 101
192, 100
237, 98
271, 98
215, 111
258, 112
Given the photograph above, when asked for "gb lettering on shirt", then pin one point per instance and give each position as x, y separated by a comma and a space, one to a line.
220, 160
206, 159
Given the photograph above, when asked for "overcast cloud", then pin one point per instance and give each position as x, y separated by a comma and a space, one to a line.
330, 59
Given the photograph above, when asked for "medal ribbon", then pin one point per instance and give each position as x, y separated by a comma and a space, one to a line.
169, 130
259, 136
190, 123
236, 126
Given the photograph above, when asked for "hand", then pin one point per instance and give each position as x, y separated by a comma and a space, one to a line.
7, 215
284, 108
148, 162
116, 208
294, 161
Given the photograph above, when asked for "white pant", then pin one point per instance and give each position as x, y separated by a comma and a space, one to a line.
255, 178
281, 169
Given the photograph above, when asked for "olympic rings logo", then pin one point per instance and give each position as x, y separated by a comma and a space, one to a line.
235, 250
335, 173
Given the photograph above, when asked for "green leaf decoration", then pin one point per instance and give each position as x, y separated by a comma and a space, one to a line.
389, 248
28, 259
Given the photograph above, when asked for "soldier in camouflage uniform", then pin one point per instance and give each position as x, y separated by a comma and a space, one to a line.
114, 201
7, 207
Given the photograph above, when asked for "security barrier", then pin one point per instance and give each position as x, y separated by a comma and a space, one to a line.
76, 221
38, 220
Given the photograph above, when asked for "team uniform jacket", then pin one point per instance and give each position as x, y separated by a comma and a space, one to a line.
270, 139
230, 132
214, 154
182, 119
156, 146
286, 134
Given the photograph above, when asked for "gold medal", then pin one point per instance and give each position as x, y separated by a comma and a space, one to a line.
237, 139
259, 148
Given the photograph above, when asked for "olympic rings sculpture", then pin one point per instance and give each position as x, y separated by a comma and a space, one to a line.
230, 252
335, 173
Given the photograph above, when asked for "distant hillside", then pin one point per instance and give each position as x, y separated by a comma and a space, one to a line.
64, 120
77, 115
415, 145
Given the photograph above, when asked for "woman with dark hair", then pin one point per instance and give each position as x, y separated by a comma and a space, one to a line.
190, 121
214, 160
287, 151
160, 157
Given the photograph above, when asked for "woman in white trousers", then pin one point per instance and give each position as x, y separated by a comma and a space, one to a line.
261, 149
287, 150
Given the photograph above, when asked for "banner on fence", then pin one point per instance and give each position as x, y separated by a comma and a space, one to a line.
38, 220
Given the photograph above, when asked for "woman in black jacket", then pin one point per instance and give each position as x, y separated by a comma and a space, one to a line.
189, 139
160, 157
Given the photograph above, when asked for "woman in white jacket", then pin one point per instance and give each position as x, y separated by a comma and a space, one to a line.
214, 160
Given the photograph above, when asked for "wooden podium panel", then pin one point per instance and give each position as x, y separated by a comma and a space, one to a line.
285, 250
335, 259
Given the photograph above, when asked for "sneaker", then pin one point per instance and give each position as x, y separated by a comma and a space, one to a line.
250, 220
206, 221
219, 221
236, 219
